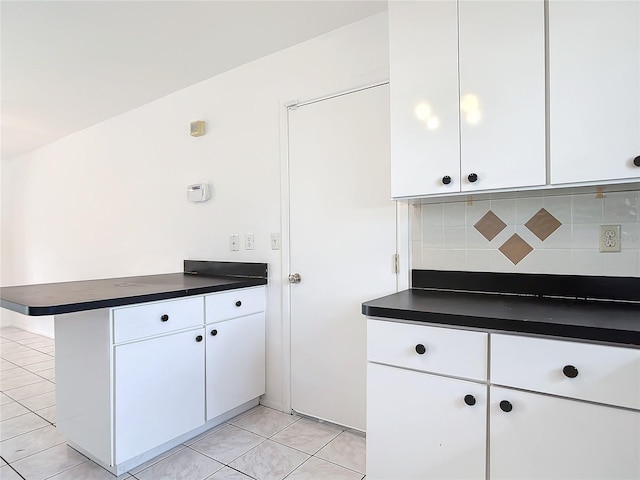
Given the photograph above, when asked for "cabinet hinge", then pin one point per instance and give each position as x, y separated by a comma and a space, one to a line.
395, 263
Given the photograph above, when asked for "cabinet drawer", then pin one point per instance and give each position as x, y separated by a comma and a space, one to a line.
234, 303
139, 321
446, 351
597, 373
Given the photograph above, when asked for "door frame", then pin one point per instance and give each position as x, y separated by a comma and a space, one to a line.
403, 238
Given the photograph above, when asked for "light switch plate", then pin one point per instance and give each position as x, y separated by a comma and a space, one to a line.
249, 243
275, 241
234, 242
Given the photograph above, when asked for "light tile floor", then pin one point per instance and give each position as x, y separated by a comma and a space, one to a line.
262, 444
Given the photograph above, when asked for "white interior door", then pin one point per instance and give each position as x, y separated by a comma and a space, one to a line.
342, 235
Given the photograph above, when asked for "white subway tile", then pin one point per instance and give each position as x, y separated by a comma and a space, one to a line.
433, 259
486, 261
630, 236
432, 215
454, 237
585, 236
621, 207
587, 209
454, 259
432, 237
623, 264
587, 262
556, 262
454, 214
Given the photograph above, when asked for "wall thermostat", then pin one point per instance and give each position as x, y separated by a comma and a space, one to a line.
197, 128
198, 192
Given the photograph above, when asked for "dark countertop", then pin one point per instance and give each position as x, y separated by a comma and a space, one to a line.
67, 297
599, 320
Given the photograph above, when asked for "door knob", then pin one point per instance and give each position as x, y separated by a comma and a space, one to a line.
294, 278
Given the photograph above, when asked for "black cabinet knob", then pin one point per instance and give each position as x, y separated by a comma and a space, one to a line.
238, 303
470, 400
199, 338
214, 332
570, 371
473, 177
164, 317
636, 161
506, 406
446, 180
420, 349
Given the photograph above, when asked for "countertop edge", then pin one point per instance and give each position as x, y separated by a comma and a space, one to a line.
625, 338
36, 311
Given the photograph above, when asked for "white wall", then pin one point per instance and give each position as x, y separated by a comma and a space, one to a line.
444, 236
111, 200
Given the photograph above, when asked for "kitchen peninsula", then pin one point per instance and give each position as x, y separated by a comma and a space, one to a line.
144, 363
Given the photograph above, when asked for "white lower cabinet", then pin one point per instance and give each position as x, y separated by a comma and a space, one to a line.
540, 414
544, 437
422, 426
235, 365
135, 381
159, 391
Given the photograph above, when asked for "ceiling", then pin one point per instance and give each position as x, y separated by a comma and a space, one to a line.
67, 65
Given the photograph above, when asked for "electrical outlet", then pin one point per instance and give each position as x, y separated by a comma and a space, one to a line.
275, 241
249, 241
234, 242
610, 239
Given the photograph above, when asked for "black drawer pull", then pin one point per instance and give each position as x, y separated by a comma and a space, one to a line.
238, 303
470, 400
506, 406
199, 338
570, 371
164, 317
420, 349
214, 332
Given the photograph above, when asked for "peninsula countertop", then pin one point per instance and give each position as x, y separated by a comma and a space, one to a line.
67, 297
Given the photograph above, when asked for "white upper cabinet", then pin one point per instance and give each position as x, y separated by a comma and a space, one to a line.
502, 94
425, 140
594, 90
467, 107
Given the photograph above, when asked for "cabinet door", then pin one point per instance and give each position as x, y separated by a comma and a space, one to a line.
502, 94
235, 363
425, 140
159, 391
419, 426
549, 437
594, 90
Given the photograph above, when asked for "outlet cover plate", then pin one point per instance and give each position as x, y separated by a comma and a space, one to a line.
610, 238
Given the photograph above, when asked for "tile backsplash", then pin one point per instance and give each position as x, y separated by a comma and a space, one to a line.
551, 234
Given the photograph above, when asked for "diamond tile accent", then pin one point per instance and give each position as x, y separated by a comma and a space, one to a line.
515, 249
490, 225
543, 224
